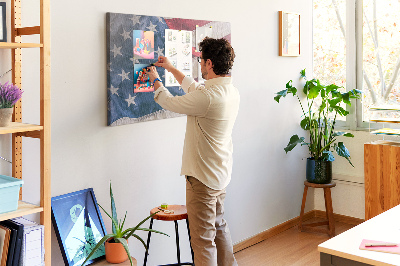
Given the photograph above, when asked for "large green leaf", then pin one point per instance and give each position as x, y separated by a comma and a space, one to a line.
327, 156
346, 98
313, 92
114, 222
102, 240
280, 94
331, 88
132, 230
113, 211
294, 140
343, 151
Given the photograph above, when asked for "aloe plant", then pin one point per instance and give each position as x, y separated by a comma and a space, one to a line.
119, 234
320, 124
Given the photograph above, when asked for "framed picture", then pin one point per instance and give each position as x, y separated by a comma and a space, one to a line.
3, 28
289, 34
78, 226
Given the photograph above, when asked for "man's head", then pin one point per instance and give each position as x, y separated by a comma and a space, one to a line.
217, 56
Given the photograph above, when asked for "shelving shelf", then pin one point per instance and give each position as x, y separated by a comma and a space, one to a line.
17, 127
24, 208
41, 132
10, 45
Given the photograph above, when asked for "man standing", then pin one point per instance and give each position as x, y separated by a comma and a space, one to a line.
207, 155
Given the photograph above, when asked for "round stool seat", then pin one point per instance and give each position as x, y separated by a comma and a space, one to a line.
180, 213
308, 184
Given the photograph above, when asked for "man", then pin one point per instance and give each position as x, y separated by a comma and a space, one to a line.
207, 155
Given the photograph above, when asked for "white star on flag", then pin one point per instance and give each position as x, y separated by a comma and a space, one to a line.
135, 20
152, 27
126, 35
116, 50
114, 90
124, 75
160, 51
131, 100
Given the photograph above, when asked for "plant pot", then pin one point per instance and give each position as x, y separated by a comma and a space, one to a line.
6, 116
319, 172
115, 252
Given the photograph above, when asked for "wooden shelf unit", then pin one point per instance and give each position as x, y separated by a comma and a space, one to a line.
42, 131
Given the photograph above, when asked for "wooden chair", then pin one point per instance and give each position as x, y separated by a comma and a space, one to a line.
180, 213
311, 227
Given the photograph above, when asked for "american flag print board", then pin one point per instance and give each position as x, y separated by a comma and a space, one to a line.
135, 42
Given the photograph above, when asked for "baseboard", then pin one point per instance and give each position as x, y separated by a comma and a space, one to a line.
289, 224
271, 232
340, 218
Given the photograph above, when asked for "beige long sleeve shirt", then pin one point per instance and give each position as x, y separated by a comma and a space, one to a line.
211, 113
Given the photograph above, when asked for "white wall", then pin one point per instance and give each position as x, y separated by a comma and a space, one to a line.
143, 160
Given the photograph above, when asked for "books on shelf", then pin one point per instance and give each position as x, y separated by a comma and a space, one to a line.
4, 243
26, 243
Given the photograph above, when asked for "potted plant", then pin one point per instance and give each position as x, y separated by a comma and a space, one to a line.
116, 243
324, 105
9, 95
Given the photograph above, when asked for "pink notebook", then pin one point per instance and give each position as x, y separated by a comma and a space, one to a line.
393, 249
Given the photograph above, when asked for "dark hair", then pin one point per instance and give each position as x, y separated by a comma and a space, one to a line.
220, 52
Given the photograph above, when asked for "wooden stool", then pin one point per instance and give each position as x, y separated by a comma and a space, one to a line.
328, 207
180, 213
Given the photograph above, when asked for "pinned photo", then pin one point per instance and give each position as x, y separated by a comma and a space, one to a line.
141, 80
143, 44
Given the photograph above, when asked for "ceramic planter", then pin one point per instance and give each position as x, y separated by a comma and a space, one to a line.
6, 116
319, 172
115, 252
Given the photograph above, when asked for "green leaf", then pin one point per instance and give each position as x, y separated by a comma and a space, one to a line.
126, 247
140, 239
102, 240
115, 223
333, 102
303, 73
343, 151
305, 123
346, 98
349, 135
327, 156
338, 133
280, 94
113, 211
122, 225
152, 230
138, 225
331, 88
294, 140
313, 92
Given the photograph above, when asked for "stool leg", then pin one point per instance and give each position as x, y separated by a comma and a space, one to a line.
190, 240
178, 252
329, 211
148, 242
303, 204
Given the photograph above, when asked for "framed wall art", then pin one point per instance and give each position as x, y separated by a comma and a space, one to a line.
3, 28
78, 226
136, 41
289, 34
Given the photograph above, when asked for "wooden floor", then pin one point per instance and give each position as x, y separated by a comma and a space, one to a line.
290, 247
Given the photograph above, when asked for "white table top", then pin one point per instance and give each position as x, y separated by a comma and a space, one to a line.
384, 227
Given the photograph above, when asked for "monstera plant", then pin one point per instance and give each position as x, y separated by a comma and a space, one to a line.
324, 103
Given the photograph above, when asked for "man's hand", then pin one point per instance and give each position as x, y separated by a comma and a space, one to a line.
152, 72
165, 63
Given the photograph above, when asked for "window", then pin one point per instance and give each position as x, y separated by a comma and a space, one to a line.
363, 53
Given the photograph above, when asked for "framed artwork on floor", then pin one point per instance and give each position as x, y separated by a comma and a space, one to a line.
289, 34
78, 226
3, 28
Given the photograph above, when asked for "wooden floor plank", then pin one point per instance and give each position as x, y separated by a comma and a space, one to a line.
290, 247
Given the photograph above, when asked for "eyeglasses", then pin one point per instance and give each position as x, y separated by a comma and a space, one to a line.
198, 59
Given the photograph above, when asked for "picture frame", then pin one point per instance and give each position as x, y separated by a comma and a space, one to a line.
289, 34
78, 226
3, 24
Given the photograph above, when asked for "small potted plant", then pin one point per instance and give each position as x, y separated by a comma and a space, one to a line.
116, 243
9, 95
324, 105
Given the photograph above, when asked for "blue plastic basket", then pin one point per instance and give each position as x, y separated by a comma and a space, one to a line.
9, 193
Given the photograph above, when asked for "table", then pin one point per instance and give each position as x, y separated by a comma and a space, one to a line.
105, 263
344, 248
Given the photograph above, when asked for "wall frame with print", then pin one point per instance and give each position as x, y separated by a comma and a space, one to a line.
78, 226
289, 34
3, 27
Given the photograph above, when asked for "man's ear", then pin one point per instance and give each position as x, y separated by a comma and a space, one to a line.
209, 63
